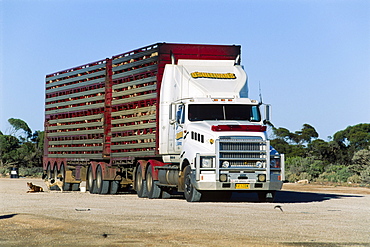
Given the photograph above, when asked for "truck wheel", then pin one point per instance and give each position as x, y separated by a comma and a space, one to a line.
141, 187
55, 176
48, 172
49, 175
102, 186
62, 172
191, 194
114, 185
90, 182
154, 191
266, 196
165, 195
75, 187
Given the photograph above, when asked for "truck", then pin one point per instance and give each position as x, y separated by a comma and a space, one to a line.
163, 119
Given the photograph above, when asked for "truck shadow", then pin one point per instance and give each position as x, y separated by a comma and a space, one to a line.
7, 216
291, 197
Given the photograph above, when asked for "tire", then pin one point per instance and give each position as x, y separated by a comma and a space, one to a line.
102, 186
75, 187
141, 187
114, 185
154, 191
165, 195
62, 172
55, 176
90, 182
48, 172
191, 194
266, 196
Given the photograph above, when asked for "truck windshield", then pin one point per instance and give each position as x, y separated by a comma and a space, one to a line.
224, 112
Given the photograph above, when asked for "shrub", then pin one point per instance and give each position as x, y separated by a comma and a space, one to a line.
30, 171
354, 179
365, 176
336, 174
298, 168
4, 170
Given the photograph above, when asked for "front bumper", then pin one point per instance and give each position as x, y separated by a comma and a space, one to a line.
208, 181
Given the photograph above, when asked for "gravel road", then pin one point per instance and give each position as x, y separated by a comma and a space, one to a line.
309, 216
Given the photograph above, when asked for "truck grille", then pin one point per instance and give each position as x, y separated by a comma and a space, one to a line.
242, 153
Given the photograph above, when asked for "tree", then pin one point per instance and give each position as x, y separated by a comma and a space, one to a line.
308, 133
355, 137
18, 125
347, 156
21, 147
305, 135
8, 149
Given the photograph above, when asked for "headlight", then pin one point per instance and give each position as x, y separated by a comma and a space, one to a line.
206, 163
261, 178
223, 178
225, 164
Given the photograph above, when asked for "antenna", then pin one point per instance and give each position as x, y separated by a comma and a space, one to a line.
260, 92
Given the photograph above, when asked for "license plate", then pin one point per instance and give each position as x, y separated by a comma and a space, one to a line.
242, 186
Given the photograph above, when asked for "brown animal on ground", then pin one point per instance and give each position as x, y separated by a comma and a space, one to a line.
34, 188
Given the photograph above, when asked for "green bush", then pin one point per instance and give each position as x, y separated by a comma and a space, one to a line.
354, 179
4, 171
30, 171
336, 174
365, 176
299, 168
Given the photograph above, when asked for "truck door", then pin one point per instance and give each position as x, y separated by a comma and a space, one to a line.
176, 132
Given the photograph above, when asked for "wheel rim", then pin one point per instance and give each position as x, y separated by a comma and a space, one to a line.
139, 179
55, 175
149, 181
90, 179
62, 172
48, 172
99, 178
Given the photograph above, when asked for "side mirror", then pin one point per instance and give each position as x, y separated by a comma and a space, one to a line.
267, 113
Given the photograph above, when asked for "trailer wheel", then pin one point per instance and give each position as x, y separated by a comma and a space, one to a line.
48, 172
165, 195
141, 187
62, 172
90, 182
191, 194
55, 176
266, 196
154, 191
102, 186
114, 185
75, 187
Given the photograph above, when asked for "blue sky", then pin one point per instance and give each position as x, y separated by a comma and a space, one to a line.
312, 58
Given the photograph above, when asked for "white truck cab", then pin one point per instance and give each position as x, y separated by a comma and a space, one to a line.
214, 132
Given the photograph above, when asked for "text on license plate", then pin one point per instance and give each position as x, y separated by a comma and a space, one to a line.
242, 186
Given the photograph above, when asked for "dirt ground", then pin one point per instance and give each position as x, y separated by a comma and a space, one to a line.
302, 215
